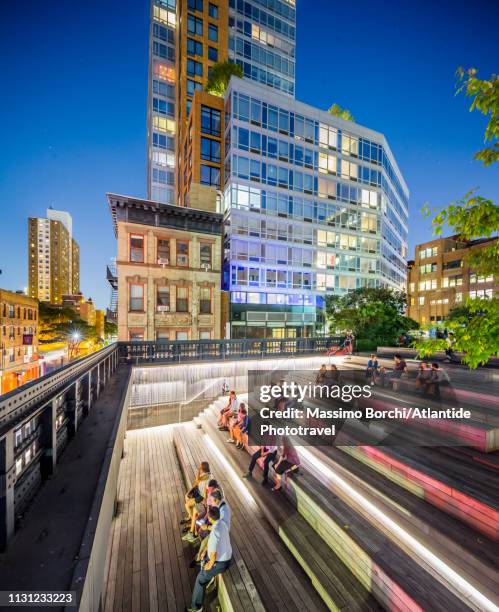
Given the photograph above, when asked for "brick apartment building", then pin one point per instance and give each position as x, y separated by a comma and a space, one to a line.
439, 278
18, 340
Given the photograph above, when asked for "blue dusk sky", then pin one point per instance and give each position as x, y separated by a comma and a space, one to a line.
73, 106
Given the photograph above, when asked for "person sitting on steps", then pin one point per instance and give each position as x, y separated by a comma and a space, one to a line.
268, 454
228, 411
216, 561
289, 461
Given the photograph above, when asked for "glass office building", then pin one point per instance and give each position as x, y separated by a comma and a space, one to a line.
262, 36
313, 205
161, 122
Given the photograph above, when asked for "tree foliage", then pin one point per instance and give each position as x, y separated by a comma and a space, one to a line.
485, 98
342, 113
475, 325
376, 315
61, 325
220, 76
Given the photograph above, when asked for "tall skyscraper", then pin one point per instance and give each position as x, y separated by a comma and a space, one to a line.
187, 37
262, 37
53, 257
161, 120
314, 205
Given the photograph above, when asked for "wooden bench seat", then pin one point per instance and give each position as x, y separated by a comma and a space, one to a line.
337, 586
395, 579
264, 575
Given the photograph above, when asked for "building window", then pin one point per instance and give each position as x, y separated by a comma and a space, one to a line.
163, 299
136, 248
181, 336
459, 297
204, 335
195, 5
205, 300
194, 68
136, 335
182, 253
421, 300
210, 150
193, 86
213, 33
205, 255
194, 47
162, 335
213, 11
194, 25
137, 298
210, 121
210, 176
163, 251
182, 299
212, 54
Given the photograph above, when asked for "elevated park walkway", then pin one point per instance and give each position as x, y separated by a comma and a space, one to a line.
114, 443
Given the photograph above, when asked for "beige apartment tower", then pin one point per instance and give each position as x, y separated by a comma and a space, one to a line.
53, 257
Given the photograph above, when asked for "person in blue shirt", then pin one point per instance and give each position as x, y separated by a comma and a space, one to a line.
217, 560
372, 367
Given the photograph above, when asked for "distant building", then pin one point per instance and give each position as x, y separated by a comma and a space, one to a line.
440, 279
168, 270
84, 308
100, 319
18, 340
53, 257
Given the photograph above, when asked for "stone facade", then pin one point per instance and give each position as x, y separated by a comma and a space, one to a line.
169, 266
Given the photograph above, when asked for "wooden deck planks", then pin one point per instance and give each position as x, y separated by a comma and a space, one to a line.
148, 562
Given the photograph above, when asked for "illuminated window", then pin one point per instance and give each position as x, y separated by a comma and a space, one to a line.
349, 145
327, 163
328, 137
164, 16
162, 124
349, 170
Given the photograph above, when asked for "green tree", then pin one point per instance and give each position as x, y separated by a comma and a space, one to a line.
476, 326
342, 113
375, 316
220, 76
485, 98
110, 328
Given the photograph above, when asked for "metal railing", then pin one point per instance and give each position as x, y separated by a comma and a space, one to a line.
31, 415
164, 352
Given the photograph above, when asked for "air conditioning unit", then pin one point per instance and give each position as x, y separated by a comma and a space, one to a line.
163, 261
205, 267
163, 308
182, 260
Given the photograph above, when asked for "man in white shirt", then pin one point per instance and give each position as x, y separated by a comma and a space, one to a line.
217, 560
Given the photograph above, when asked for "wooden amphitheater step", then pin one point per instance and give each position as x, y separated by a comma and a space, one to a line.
389, 572
265, 573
